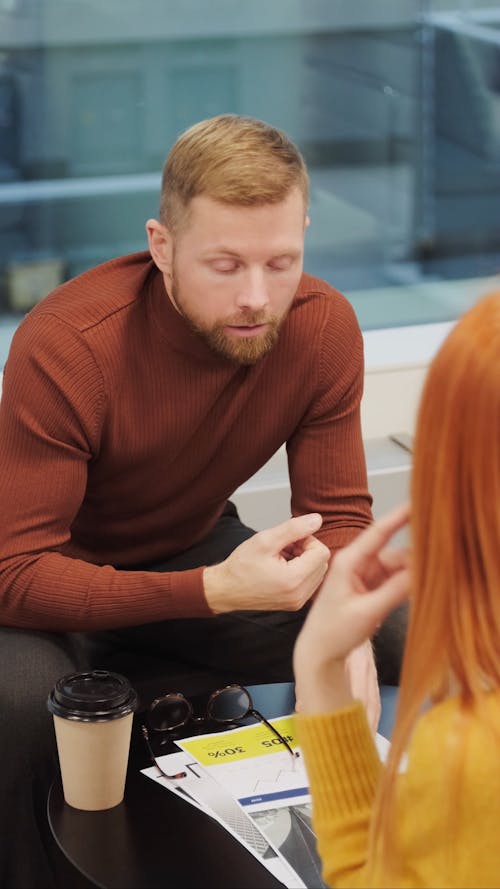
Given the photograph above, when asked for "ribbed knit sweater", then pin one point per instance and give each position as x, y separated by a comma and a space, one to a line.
122, 435
444, 837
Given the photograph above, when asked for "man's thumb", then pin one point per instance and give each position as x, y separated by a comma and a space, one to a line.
292, 530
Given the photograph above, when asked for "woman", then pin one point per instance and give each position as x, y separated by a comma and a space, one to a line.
431, 816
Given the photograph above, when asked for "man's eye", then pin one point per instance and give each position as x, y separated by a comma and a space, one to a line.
281, 264
224, 266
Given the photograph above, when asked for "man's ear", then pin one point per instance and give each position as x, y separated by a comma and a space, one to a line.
160, 245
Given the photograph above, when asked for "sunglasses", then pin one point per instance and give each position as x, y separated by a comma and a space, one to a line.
226, 706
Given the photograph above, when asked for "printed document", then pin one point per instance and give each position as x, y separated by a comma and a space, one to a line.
249, 781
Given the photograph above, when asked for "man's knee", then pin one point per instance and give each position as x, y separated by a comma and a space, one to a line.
30, 663
250, 646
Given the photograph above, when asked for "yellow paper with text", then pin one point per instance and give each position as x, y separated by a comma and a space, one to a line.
243, 743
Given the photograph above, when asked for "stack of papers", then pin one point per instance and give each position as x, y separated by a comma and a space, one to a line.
248, 781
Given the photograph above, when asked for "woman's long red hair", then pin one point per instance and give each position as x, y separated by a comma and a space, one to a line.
453, 641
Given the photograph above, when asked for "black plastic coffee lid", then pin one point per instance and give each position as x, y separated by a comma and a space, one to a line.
94, 696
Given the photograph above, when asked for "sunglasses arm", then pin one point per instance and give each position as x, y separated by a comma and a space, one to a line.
154, 761
261, 718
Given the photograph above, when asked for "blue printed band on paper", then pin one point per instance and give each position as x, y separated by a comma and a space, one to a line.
269, 797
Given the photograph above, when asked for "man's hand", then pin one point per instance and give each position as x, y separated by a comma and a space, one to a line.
358, 679
275, 570
365, 582
363, 681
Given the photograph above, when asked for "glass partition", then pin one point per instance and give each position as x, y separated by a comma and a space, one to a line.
396, 106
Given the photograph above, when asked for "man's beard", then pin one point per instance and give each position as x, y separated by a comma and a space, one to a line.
242, 350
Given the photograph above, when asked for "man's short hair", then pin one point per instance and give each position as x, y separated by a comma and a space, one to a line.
234, 160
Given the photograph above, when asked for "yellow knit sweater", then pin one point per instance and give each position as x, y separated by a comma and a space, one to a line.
442, 841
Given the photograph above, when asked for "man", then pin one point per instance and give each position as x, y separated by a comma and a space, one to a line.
136, 399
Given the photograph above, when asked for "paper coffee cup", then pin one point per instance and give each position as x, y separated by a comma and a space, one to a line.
93, 715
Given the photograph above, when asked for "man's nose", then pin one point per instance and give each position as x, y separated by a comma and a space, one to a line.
253, 293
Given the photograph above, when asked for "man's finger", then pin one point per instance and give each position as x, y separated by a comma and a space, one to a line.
283, 536
313, 561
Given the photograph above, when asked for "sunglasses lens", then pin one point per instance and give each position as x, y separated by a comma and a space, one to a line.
169, 712
229, 704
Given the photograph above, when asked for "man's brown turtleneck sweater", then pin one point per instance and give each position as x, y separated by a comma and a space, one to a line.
122, 436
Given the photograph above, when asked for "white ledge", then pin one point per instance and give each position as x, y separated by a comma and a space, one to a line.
395, 347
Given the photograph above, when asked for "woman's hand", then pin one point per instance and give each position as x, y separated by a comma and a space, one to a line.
365, 581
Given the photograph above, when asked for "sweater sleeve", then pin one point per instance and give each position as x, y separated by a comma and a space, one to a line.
326, 456
51, 411
445, 829
343, 768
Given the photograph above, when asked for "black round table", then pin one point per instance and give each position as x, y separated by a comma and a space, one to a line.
156, 839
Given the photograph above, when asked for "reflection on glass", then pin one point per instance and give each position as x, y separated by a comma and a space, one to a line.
396, 107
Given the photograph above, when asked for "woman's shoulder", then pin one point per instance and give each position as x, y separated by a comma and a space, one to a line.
450, 725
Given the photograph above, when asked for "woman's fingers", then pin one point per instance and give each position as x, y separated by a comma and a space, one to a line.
372, 540
391, 593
